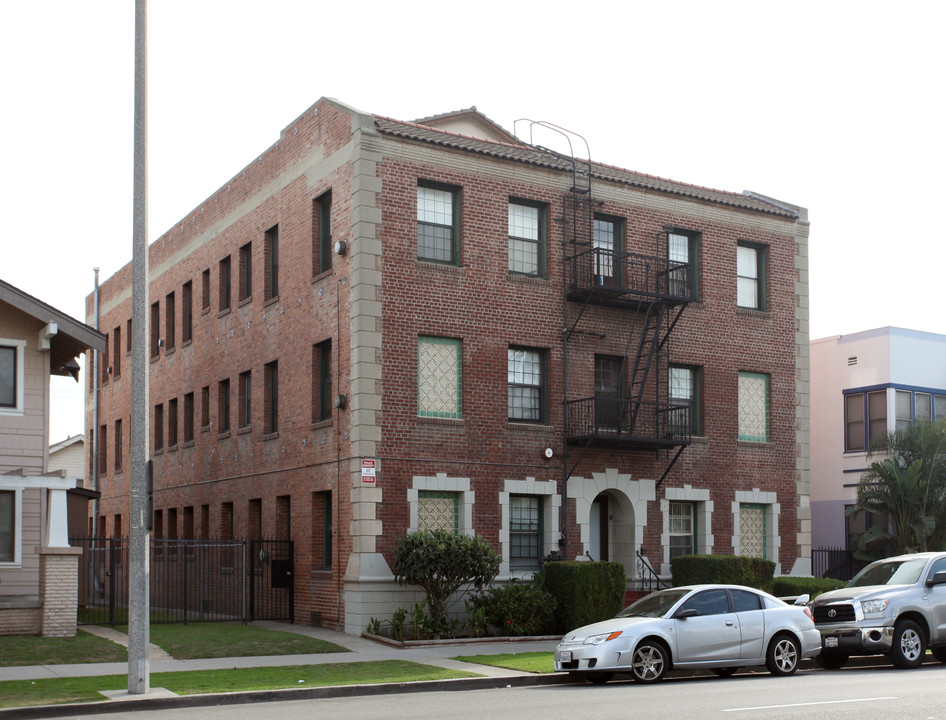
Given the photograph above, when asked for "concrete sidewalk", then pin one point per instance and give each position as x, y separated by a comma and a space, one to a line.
438, 654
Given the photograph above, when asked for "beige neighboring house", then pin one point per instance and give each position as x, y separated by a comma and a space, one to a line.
38, 569
69, 455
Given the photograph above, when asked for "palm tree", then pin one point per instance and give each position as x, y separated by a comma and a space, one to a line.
909, 485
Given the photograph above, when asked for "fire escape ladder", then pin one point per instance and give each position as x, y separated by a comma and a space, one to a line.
647, 350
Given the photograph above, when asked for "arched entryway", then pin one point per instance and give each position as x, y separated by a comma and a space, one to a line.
611, 534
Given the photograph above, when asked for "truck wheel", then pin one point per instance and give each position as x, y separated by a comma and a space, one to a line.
909, 645
831, 660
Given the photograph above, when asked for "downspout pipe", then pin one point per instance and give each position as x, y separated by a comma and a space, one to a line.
95, 418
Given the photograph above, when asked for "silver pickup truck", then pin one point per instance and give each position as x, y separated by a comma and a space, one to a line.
895, 606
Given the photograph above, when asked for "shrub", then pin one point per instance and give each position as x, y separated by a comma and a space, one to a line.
734, 569
441, 563
584, 592
794, 586
518, 608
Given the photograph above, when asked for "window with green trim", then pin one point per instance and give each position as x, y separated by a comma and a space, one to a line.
437, 510
682, 529
439, 377
525, 531
437, 220
527, 229
526, 377
753, 406
750, 275
752, 530
686, 391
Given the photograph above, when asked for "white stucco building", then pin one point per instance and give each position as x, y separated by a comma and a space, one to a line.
863, 385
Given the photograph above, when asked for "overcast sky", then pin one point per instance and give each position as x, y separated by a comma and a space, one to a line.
835, 106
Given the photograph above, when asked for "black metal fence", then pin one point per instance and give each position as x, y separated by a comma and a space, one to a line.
191, 580
836, 563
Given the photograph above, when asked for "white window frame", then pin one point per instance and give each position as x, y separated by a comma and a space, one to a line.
772, 511
17, 527
19, 347
551, 506
702, 516
442, 483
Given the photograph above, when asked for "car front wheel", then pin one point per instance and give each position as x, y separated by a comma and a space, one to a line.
649, 662
909, 645
783, 655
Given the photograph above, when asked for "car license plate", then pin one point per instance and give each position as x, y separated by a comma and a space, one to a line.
831, 642
566, 656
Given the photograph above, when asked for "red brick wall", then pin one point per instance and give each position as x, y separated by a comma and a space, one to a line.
478, 303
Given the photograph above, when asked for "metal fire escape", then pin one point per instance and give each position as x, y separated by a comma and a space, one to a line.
648, 294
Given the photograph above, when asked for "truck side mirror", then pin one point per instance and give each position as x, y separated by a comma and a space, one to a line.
939, 578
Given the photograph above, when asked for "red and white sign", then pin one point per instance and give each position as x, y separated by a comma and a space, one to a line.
367, 472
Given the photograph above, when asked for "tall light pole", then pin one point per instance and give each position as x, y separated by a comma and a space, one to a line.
139, 583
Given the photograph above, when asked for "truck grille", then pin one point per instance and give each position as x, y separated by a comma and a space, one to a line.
841, 613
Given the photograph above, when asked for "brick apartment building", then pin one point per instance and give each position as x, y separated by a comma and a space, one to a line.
557, 355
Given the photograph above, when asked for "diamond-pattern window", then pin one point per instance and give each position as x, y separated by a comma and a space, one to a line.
752, 530
439, 377
438, 511
753, 407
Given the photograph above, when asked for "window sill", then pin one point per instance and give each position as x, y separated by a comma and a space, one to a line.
188, 444
759, 444
322, 275
430, 420
529, 427
172, 448
224, 435
451, 268
186, 343
530, 279
205, 428
319, 424
169, 349
753, 312
271, 301
222, 313
205, 311
244, 430
159, 451
270, 436
245, 301
324, 573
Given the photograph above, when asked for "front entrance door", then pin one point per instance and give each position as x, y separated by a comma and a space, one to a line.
599, 530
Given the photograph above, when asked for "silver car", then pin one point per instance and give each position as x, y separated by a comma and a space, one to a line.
720, 627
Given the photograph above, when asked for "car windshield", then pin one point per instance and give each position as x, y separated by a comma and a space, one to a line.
654, 605
892, 572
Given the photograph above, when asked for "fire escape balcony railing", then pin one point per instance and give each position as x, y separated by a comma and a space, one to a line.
607, 422
605, 274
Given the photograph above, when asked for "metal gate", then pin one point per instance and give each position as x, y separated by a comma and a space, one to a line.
191, 580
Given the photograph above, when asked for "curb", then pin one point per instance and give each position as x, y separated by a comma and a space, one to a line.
259, 696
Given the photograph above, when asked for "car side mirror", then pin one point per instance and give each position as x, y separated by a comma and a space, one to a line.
684, 614
939, 578
802, 599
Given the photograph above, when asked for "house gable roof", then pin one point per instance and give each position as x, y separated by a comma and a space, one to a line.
72, 339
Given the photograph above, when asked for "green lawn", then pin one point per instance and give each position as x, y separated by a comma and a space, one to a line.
83, 648
212, 640
534, 662
56, 691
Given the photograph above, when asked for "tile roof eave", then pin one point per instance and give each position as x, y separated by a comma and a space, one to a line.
548, 159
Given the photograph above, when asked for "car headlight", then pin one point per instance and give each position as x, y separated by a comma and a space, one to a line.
603, 637
873, 606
